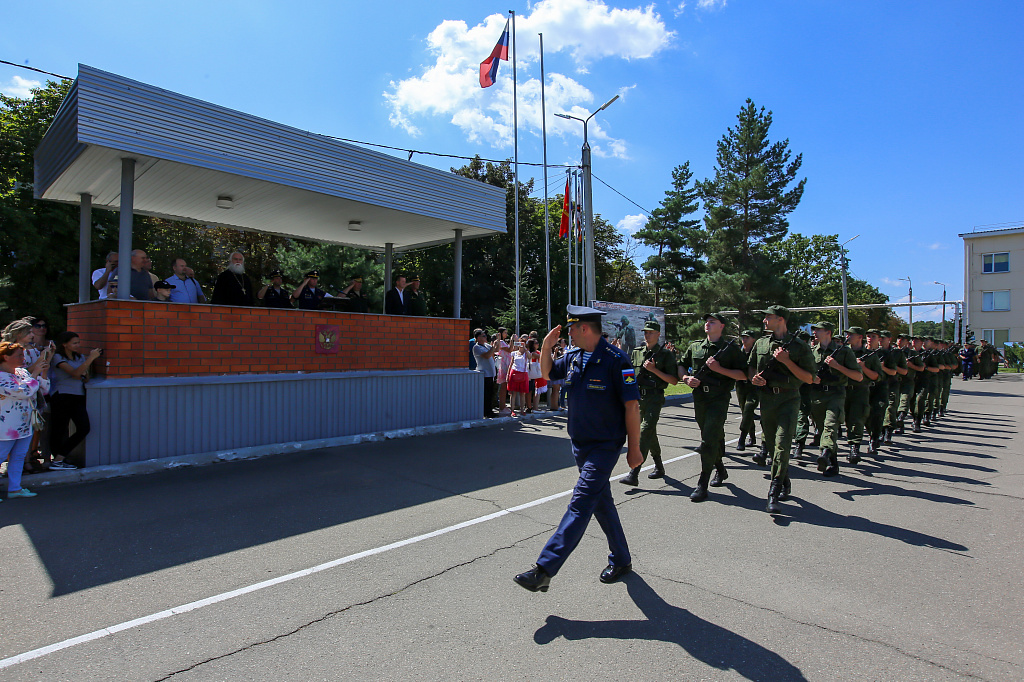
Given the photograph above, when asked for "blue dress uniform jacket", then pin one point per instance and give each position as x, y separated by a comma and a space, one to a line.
597, 429
310, 298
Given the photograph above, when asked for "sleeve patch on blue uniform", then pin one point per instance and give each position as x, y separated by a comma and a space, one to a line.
628, 376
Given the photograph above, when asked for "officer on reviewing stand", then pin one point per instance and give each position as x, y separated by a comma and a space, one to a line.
274, 295
307, 294
357, 302
604, 412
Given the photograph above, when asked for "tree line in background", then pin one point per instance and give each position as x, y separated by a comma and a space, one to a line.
719, 243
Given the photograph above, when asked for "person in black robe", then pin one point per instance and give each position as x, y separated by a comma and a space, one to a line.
233, 286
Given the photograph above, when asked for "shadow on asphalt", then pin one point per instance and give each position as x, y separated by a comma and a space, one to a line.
98, 533
709, 643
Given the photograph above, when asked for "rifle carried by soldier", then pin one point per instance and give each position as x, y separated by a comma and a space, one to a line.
825, 372
705, 375
773, 370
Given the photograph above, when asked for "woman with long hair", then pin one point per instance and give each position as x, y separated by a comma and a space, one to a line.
67, 398
518, 376
18, 389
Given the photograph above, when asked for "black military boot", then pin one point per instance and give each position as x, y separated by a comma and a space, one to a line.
854, 455
632, 478
787, 488
718, 480
927, 419
700, 493
873, 443
823, 459
887, 438
901, 420
761, 458
741, 445
799, 454
774, 491
659, 468
753, 439
917, 425
833, 464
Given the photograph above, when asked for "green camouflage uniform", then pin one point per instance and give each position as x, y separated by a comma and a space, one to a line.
711, 399
858, 396
899, 361
652, 395
828, 397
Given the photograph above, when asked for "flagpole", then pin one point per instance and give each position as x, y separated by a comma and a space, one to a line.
515, 154
547, 225
566, 201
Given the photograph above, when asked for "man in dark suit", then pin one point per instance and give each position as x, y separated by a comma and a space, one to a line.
395, 300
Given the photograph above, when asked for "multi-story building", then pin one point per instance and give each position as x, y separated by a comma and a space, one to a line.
994, 284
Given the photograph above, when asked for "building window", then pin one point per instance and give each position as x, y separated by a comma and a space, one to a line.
997, 337
995, 300
995, 262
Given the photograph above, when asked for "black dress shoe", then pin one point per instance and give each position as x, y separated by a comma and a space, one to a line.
535, 580
613, 572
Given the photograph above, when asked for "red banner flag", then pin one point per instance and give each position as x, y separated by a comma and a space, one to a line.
563, 228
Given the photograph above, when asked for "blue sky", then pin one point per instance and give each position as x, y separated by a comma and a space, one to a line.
908, 114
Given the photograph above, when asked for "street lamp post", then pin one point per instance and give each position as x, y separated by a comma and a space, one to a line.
910, 285
846, 308
943, 309
588, 204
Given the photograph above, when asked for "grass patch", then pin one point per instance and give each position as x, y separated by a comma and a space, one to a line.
678, 389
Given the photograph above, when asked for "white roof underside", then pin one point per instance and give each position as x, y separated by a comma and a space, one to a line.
282, 180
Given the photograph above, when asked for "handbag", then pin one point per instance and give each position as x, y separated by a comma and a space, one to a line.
533, 369
38, 423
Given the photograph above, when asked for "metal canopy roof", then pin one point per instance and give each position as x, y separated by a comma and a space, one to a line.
282, 180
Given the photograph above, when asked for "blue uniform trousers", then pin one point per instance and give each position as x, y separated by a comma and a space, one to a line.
592, 496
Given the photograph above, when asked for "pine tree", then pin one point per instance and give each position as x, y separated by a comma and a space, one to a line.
672, 234
747, 203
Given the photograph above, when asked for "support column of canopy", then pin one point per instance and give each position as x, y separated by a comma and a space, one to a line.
85, 248
389, 254
457, 304
124, 239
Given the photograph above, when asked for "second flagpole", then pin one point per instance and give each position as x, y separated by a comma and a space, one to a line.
515, 154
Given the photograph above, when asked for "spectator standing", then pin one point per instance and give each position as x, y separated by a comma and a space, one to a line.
186, 288
101, 276
141, 284
484, 354
18, 390
162, 291
504, 359
533, 371
395, 300
147, 267
233, 286
555, 385
67, 397
417, 300
519, 377
274, 295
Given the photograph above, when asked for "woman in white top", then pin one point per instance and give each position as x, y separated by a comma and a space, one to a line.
518, 376
502, 361
18, 390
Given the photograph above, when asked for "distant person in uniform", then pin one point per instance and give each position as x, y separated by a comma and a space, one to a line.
604, 414
274, 294
357, 302
307, 294
395, 300
625, 334
836, 367
746, 397
655, 371
417, 299
233, 286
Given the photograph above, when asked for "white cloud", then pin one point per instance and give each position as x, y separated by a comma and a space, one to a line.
711, 4
19, 87
631, 224
680, 8
937, 245
587, 30
893, 282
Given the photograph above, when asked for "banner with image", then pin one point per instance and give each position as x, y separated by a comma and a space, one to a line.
625, 322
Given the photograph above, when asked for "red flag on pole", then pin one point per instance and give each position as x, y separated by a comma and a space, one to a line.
563, 227
489, 66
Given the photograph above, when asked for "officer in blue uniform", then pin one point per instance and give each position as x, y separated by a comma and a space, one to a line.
307, 293
604, 412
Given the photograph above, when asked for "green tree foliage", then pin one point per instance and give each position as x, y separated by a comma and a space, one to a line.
672, 232
337, 265
931, 328
746, 203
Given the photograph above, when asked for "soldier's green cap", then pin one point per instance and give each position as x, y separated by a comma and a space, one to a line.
652, 326
873, 331
903, 336
885, 333
780, 310
718, 316
752, 333
855, 330
803, 336
824, 324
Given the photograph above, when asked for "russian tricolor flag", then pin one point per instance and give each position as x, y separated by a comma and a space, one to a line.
489, 66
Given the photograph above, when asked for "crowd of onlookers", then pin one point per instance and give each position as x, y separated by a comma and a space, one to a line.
234, 286
42, 393
513, 384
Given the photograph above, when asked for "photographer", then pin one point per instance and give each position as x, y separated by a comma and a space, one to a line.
67, 399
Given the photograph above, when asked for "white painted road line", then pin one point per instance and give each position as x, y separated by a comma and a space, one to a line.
224, 596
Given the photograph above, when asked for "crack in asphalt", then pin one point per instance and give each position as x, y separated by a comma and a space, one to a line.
843, 633
336, 612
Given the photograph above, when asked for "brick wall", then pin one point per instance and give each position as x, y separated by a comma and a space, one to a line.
173, 339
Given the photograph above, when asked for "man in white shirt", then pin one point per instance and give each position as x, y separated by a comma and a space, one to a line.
186, 288
101, 276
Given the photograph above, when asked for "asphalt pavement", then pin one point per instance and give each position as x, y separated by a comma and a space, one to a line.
394, 561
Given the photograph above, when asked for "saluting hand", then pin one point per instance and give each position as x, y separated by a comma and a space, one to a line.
552, 336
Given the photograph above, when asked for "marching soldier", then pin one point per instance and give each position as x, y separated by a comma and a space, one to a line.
655, 370
879, 395
909, 386
858, 393
715, 364
803, 420
836, 366
899, 361
746, 396
778, 363
951, 362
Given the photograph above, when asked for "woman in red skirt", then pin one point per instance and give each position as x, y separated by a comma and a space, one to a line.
519, 377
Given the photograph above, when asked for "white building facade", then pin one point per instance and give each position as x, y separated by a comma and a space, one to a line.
994, 284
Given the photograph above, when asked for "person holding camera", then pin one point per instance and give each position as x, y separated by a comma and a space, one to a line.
67, 397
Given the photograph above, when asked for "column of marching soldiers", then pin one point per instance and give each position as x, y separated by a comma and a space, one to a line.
811, 388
